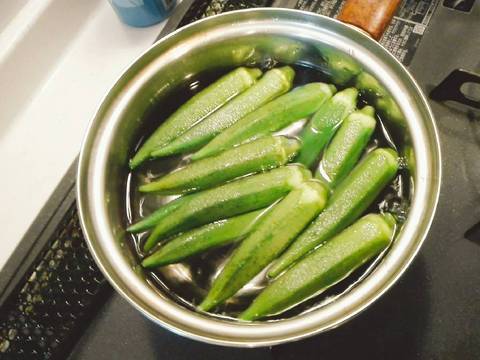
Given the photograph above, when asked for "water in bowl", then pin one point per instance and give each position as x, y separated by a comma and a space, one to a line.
188, 282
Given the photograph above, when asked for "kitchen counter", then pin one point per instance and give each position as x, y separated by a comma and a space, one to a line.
57, 60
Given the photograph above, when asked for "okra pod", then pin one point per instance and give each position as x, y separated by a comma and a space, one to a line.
322, 125
341, 68
204, 238
197, 108
349, 200
347, 145
380, 98
260, 155
271, 236
233, 198
325, 266
154, 218
273, 116
274, 83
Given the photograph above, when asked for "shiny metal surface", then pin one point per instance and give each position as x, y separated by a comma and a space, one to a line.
246, 37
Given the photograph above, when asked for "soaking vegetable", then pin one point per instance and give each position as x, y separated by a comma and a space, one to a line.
196, 109
274, 83
347, 145
233, 198
151, 220
323, 124
325, 266
351, 198
204, 238
378, 96
275, 115
240, 194
272, 235
260, 155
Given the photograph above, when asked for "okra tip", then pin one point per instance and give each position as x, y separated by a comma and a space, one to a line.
349, 94
207, 304
390, 156
135, 162
134, 228
152, 240
149, 262
390, 220
253, 72
290, 145
368, 110
332, 88
201, 154
164, 151
287, 72
382, 223
300, 174
142, 155
149, 187
248, 315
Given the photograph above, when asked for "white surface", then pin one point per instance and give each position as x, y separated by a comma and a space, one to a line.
57, 60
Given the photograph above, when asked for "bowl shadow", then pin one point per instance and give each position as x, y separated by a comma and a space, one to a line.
392, 328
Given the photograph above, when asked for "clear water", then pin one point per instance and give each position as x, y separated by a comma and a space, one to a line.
188, 282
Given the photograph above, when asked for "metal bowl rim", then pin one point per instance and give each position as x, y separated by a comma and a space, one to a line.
91, 235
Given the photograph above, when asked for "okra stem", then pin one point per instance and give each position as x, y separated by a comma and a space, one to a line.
197, 108
325, 266
275, 82
350, 199
260, 155
272, 235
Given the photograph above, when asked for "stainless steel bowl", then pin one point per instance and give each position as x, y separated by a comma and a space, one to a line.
225, 41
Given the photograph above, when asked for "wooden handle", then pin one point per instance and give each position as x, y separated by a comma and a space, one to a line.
372, 16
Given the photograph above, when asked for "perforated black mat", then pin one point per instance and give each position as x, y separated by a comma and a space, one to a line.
54, 302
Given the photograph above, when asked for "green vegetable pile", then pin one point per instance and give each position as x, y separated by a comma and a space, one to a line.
248, 186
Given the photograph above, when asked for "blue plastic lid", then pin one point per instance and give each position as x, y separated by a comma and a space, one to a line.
142, 13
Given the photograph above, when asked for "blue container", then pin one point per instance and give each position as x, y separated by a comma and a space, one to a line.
142, 13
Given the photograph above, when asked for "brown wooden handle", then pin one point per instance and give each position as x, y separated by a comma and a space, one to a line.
372, 16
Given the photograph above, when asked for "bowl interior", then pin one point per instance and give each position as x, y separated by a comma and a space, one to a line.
142, 98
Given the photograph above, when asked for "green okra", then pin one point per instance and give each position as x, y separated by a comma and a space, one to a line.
271, 236
197, 108
324, 267
321, 127
347, 145
201, 239
273, 116
274, 83
155, 217
260, 155
341, 68
380, 98
233, 198
349, 200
